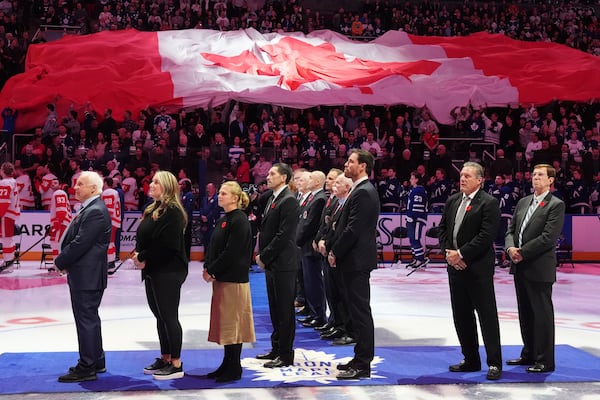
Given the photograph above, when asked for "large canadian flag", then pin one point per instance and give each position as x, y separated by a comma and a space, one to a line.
130, 70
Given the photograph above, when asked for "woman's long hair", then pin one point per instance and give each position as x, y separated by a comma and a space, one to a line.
170, 197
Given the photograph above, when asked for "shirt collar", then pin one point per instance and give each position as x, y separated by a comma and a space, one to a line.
541, 196
88, 201
278, 191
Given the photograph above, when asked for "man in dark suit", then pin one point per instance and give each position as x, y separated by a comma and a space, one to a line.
83, 256
308, 225
466, 233
530, 243
353, 249
278, 256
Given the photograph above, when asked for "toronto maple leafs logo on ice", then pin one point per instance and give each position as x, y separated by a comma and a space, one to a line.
309, 365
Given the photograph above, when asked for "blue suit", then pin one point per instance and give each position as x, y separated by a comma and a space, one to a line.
84, 255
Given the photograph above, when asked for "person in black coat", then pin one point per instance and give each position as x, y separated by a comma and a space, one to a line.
160, 254
228, 259
278, 256
531, 245
84, 257
353, 249
312, 273
467, 232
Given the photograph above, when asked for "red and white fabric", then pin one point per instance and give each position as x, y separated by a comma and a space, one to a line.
198, 67
24, 187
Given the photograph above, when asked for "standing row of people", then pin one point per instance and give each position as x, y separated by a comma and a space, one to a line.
345, 238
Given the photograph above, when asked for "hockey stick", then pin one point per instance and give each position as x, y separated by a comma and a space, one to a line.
14, 260
129, 256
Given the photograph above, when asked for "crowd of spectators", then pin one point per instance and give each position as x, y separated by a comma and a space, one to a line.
241, 141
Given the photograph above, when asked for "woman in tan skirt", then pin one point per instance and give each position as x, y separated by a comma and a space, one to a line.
228, 259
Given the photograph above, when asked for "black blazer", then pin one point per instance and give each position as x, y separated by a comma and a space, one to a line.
85, 246
325, 222
354, 231
476, 235
161, 243
308, 224
229, 254
277, 239
539, 237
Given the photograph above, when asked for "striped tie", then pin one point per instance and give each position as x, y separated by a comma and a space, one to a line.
460, 215
530, 212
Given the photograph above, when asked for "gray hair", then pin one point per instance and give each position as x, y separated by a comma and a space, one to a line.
476, 166
93, 179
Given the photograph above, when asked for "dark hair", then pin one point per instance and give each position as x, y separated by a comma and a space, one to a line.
187, 186
420, 179
550, 170
365, 157
286, 170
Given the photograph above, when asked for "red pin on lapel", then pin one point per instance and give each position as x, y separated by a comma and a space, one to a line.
468, 208
223, 225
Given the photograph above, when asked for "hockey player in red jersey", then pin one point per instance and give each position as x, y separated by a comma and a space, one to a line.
9, 213
60, 216
111, 198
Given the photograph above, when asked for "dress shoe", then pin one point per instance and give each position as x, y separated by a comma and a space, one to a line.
267, 356
539, 368
352, 373
99, 370
343, 341
277, 363
313, 323
494, 373
305, 319
344, 367
303, 312
78, 375
324, 327
332, 334
463, 366
519, 361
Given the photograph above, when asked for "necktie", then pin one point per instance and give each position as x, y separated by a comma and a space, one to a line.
530, 212
268, 206
460, 215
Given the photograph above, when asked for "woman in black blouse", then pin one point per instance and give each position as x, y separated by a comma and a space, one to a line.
160, 253
228, 259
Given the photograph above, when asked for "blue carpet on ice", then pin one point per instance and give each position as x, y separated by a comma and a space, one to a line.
314, 365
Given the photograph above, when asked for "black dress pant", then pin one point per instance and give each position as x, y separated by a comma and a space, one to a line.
281, 292
85, 305
469, 294
536, 319
358, 299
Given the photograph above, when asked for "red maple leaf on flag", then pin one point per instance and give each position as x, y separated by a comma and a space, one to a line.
298, 62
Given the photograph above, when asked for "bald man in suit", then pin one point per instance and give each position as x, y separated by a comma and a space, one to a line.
531, 245
83, 256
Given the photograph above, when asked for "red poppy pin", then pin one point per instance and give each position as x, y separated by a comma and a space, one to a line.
468, 208
272, 206
541, 204
223, 225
